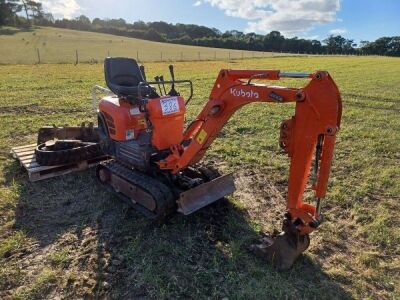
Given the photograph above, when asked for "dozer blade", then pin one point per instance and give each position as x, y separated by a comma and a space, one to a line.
282, 249
205, 194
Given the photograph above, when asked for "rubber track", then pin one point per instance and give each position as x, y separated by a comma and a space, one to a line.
160, 192
68, 156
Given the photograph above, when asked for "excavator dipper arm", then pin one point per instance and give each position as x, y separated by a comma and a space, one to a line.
309, 135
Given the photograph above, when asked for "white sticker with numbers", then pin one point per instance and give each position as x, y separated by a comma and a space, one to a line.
134, 111
169, 105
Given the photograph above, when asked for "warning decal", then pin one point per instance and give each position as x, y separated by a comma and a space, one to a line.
201, 137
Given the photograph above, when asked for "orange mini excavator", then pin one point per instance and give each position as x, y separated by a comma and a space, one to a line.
155, 163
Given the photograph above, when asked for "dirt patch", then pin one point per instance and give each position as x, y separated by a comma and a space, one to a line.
63, 220
263, 199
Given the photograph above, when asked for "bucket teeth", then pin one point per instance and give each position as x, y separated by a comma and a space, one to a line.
282, 249
205, 194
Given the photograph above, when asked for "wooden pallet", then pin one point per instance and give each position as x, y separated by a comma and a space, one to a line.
26, 156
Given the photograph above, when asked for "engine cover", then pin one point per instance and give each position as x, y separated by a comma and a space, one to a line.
124, 120
134, 136
136, 153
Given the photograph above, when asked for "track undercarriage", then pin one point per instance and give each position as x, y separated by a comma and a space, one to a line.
157, 195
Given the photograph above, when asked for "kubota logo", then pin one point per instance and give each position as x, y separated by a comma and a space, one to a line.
244, 94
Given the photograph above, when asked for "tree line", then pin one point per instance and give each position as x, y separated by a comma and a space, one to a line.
27, 13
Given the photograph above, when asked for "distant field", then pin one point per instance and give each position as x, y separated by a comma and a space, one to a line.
70, 238
60, 45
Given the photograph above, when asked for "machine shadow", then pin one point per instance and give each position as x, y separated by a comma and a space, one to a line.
128, 256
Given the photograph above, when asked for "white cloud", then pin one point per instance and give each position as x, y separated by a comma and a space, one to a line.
338, 31
197, 3
61, 8
291, 17
309, 37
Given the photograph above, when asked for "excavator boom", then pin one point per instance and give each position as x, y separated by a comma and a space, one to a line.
308, 136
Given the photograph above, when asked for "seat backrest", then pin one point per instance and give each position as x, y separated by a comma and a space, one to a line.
121, 72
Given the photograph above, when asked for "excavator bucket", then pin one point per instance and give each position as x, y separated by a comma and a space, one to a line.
205, 194
281, 249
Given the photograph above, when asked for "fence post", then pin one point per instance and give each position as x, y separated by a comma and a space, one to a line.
76, 57
137, 55
229, 55
38, 55
199, 55
161, 55
182, 56
108, 53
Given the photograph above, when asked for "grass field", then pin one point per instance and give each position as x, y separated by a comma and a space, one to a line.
57, 45
69, 237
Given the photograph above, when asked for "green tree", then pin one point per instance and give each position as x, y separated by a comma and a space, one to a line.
273, 41
338, 44
154, 35
383, 46
25, 6
394, 46
8, 11
36, 10
83, 22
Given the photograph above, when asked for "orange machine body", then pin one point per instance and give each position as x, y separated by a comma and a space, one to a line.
165, 116
310, 131
124, 120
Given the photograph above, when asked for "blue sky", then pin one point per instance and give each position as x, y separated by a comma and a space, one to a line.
357, 19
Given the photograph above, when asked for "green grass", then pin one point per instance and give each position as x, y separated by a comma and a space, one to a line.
57, 45
12, 244
43, 283
69, 237
60, 258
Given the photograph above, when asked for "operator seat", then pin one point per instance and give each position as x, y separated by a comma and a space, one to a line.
123, 75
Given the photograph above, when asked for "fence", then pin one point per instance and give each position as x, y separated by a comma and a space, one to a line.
55, 45
76, 56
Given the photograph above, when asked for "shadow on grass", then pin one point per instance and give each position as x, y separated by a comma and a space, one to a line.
127, 256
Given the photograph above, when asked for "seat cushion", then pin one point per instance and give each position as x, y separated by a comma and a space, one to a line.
122, 75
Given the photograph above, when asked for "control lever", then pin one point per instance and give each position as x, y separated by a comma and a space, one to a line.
172, 92
157, 79
163, 85
143, 72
